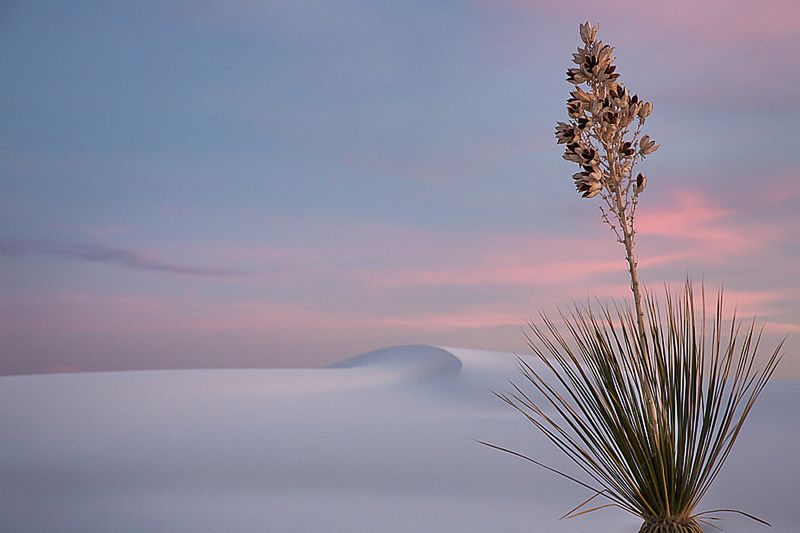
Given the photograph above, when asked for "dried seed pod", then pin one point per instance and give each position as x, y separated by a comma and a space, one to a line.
566, 133
641, 183
647, 146
581, 95
645, 110
588, 32
626, 149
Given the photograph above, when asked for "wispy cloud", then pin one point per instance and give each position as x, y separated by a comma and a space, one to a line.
703, 227
97, 253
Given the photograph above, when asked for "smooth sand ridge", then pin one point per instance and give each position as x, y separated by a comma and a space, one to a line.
383, 442
410, 362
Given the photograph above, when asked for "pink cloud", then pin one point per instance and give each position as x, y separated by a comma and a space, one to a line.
524, 271
755, 302
746, 303
782, 328
684, 228
704, 228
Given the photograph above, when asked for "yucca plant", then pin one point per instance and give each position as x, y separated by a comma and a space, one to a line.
651, 429
648, 401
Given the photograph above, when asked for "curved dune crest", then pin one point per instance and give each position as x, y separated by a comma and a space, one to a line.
408, 362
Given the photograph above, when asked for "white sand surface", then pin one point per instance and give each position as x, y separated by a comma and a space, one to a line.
383, 442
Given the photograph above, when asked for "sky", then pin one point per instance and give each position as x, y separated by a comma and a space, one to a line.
287, 184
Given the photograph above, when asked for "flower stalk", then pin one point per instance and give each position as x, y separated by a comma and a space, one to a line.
604, 138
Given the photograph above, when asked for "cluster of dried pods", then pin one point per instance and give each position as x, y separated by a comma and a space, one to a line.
600, 136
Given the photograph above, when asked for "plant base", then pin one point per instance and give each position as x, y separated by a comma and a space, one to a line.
671, 524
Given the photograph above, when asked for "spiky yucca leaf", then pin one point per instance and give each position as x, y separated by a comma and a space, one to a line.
650, 421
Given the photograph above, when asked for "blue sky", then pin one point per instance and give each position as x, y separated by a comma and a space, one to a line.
190, 184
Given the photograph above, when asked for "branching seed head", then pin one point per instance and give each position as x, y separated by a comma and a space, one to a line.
602, 135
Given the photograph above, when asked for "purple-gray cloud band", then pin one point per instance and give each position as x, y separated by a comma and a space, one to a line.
98, 253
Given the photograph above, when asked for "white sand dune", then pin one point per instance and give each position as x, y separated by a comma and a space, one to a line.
406, 363
383, 442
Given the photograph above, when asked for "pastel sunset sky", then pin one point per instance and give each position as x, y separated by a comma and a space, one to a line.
286, 184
